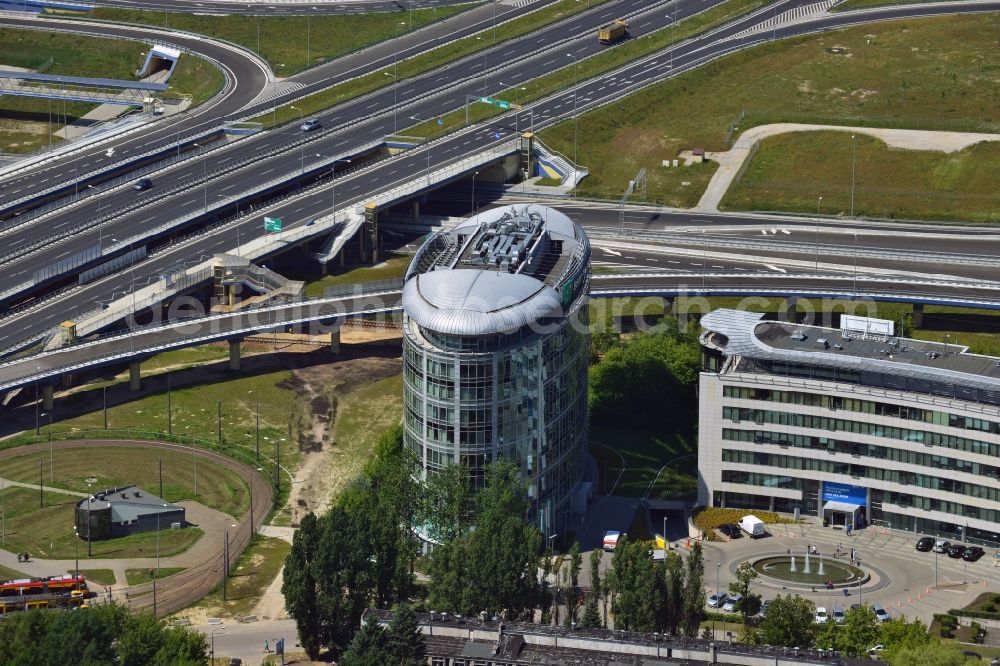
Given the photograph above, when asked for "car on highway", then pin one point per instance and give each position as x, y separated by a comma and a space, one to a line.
881, 613
309, 124
956, 551
924, 544
717, 600
730, 530
941, 546
821, 615
838, 614
973, 553
142, 184
732, 603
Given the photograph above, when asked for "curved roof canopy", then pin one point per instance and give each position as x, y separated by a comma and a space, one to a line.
475, 302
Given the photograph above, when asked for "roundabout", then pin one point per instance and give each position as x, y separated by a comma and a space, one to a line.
809, 570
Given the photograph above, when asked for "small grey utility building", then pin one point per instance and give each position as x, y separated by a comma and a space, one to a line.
125, 510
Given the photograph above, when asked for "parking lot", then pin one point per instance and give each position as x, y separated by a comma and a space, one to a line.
906, 582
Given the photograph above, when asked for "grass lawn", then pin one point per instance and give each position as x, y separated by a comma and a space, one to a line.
47, 532
405, 69
183, 358
790, 171
931, 73
987, 602
676, 187
24, 120
195, 407
11, 574
99, 576
392, 267
290, 43
218, 487
248, 580
140, 576
644, 454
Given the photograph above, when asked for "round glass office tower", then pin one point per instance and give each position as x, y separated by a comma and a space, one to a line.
495, 353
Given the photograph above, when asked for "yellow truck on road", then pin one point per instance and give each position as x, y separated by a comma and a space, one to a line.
612, 32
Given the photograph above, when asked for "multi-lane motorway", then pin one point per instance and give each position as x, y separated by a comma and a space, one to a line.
253, 88
474, 75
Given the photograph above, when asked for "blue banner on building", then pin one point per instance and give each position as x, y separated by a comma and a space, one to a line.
842, 492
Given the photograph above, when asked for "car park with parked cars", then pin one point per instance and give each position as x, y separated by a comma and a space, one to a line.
881, 613
732, 604
838, 614
973, 553
924, 544
717, 600
956, 551
731, 530
941, 546
821, 615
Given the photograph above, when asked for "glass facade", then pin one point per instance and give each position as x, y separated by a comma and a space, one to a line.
523, 400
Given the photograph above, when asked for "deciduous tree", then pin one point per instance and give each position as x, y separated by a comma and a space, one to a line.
789, 622
407, 646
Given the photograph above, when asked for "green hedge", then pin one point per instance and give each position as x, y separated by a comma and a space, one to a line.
973, 613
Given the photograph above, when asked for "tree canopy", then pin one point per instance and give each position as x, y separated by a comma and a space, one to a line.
356, 555
492, 567
646, 381
106, 635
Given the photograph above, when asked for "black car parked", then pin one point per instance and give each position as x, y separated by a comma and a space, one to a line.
956, 551
924, 544
973, 553
730, 530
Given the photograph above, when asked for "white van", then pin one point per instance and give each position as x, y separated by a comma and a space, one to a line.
753, 526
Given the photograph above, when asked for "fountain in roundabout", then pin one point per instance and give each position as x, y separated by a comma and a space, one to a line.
812, 570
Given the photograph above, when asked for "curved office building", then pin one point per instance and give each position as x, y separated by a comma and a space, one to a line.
855, 426
495, 352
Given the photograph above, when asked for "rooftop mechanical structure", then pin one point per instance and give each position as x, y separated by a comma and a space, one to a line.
495, 353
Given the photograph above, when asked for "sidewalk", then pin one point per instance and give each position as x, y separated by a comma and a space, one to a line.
210, 521
904, 580
731, 161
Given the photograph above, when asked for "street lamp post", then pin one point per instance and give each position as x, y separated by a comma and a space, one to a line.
854, 161
473, 202
212, 635
333, 214
817, 236
855, 264
100, 228
576, 117
52, 468
204, 174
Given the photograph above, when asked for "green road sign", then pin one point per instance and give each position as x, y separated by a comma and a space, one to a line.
495, 102
272, 224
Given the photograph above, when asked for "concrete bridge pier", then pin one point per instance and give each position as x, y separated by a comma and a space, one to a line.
787, 311
918, 315
415, 212
234, 354
134, 376
335, 340
47, 397
66, 380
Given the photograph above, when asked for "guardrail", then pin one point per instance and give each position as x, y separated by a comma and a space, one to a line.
74, 147
692, 239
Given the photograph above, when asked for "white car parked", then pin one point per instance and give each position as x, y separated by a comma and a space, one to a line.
732, 603
821, 615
